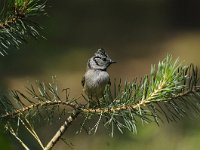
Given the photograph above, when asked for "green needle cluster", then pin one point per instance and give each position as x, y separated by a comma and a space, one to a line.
16, 23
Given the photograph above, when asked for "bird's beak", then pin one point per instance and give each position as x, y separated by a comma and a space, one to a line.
112, 62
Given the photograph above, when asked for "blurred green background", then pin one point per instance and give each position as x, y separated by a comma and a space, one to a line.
135, 33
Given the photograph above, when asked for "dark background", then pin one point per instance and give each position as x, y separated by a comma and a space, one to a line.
135, 33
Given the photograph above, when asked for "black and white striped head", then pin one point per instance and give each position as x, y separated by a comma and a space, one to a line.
100, 60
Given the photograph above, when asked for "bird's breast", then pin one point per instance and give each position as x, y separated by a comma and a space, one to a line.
96, 78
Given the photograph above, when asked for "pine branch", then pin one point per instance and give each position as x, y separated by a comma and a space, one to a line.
170, 91
16, 23
31, 130
18, 139
40, 105
62, 130
143, 102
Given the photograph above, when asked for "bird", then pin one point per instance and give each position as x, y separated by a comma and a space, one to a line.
96, 77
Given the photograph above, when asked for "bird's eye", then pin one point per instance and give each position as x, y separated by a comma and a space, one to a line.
104, 59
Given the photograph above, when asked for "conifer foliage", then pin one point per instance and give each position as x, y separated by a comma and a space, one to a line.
17, 24
169, 93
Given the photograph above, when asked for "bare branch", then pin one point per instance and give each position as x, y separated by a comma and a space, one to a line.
62, 130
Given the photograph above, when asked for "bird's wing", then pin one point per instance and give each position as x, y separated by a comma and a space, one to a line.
83, 81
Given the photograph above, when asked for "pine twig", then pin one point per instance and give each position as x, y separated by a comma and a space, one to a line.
16, 24
17, 138
62, 130
141, 103
36, 105
30, 129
